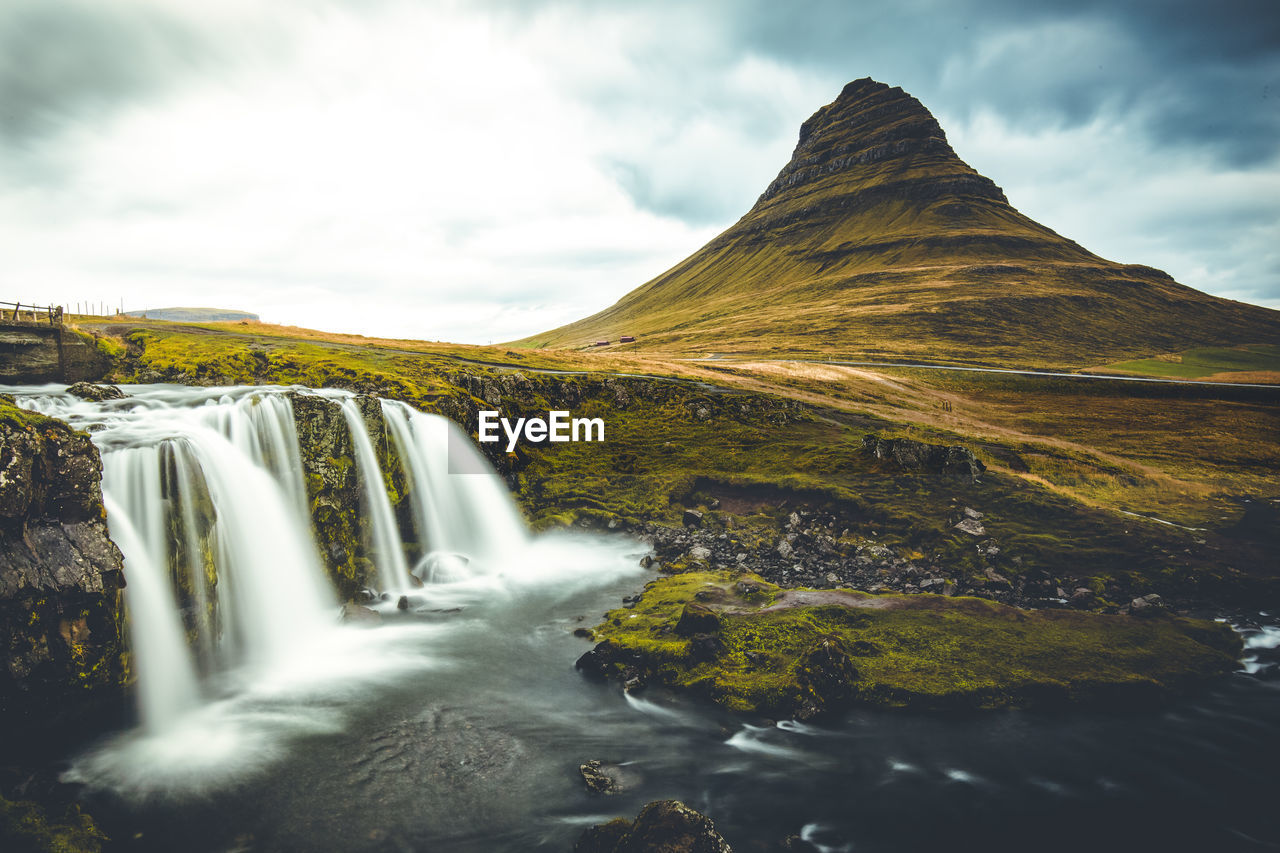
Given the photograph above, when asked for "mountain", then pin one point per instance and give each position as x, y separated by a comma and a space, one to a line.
194, 315
877, 241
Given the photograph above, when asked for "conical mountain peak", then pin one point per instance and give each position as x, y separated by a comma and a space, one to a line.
877, 240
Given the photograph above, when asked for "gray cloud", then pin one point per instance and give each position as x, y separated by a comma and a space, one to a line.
562, 152
1198, 74
63, 61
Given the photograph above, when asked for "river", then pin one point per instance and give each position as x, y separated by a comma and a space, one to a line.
459, 723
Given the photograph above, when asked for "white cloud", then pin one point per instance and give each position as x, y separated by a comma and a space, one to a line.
1109, 189
430, 170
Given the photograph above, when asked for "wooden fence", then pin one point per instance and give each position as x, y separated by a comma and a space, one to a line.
18, 312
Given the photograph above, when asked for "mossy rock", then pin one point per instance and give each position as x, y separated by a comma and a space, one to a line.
25, 828
805, 653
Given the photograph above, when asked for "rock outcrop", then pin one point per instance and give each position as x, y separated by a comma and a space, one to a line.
334, 489
32, 354
668, 826
60, 574
949, 461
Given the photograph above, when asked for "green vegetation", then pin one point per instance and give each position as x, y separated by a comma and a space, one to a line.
754, 647
1065, 453
1250, 363
25, 828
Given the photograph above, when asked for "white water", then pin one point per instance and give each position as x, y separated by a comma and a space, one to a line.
387, 546
462, 512
211, 479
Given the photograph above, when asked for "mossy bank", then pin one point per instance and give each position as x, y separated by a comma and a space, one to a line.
756, 647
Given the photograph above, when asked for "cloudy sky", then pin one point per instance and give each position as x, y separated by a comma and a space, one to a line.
479, 171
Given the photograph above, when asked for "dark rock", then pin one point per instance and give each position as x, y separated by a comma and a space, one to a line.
1082, 597
697, 619
605, 660
827, 677
692, 518
970, 526
95, 393
950, 461
705, 647
61, 612
667, 826
31, 354
604, 778
646, 561
603, 837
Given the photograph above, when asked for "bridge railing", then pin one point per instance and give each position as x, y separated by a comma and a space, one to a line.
21, 312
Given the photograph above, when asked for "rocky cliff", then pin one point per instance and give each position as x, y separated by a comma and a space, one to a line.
334, 488
33, 353
60, 574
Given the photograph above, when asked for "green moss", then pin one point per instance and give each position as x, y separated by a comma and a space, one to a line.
920, 651
25, 828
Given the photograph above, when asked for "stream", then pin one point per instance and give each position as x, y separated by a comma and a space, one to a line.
458, 724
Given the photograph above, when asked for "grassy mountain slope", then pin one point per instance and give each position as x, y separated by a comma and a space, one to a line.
877, 240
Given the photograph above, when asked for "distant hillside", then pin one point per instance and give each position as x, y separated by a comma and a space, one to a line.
194, 315
876, 241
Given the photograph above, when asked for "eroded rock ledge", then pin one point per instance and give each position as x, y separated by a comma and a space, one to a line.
60, 574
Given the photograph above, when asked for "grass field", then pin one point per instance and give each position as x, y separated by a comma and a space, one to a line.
1247, 363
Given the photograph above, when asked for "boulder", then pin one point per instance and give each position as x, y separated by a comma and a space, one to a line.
692, 518
1082, 597
666, 826
698, 554
971, 526
949, 461
827, 677
95, 393
697, 619
605, 778
1146, 605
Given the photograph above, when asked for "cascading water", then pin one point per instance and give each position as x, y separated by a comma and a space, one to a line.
388, 546
460, 507
459, 725
238, 641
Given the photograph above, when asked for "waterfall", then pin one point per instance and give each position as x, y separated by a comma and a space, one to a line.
169, 689
388, 546
237, 641
206, 498
463, 514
